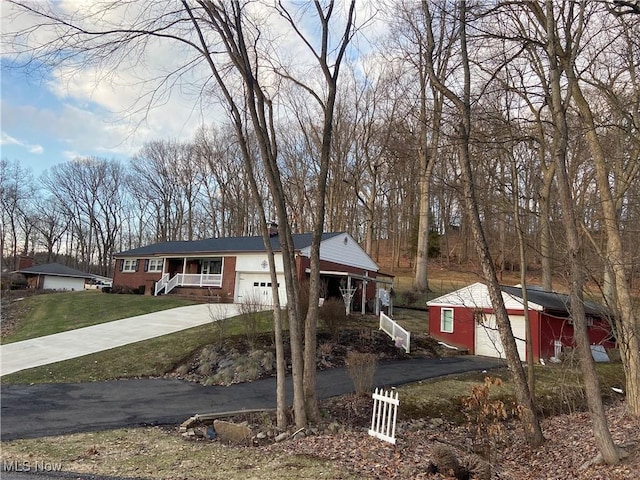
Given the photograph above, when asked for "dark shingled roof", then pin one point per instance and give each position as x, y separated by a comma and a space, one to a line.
55, 269
554, 302
218, 245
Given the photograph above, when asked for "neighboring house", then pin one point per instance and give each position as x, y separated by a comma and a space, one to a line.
465, 318
236, 269
55, 276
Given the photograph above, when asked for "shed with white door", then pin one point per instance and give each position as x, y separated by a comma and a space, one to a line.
465, 318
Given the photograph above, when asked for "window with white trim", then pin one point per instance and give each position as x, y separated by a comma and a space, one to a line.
446, 320
129, 265
156, 264
212, 266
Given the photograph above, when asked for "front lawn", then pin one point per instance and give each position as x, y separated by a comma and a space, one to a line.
47, 314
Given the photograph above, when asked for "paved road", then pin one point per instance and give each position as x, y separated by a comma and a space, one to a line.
83, 341
32, 411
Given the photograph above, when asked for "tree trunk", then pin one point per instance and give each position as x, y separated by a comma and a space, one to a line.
627, 331
531, 425
608, 449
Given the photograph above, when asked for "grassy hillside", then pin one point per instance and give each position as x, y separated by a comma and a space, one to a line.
39, 315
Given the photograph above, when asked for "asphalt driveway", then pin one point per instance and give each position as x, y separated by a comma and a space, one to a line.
32, 411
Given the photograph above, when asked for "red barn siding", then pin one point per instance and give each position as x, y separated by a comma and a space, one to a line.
544, 330
463, 327
554, 328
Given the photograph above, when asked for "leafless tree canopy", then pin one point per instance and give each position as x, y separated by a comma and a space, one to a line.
543, 96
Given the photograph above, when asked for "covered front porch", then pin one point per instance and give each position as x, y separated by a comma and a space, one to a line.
190, 272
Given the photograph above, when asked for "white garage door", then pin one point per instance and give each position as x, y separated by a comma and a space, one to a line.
63, 283
256, 288
487, 337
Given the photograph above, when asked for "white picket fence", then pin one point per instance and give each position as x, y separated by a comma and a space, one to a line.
385, 413
395, 331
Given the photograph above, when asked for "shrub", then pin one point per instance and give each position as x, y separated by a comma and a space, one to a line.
121, 289
251, 308
485, 416
333, 315
362, 368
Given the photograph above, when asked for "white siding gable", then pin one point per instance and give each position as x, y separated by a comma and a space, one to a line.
477, 296
257, 262
343, 249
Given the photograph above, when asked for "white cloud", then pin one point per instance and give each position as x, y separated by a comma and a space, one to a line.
113, 108
7, 139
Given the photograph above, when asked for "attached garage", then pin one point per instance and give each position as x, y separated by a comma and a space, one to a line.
257, 287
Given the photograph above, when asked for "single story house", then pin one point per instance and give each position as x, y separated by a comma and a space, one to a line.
235, 269
55, 276
465, 318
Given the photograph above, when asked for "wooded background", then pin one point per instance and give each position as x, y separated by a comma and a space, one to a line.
392, 131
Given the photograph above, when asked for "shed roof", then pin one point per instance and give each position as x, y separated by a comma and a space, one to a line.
554, 301
56, 270
477, 296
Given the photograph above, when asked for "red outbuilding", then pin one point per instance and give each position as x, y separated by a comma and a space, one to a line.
465, 319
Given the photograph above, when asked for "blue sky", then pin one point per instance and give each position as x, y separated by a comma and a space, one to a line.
53, 116
42, 124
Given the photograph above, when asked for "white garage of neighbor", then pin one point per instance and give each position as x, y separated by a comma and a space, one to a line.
55, 276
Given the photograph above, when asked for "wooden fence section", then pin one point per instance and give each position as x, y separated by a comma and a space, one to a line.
385, 413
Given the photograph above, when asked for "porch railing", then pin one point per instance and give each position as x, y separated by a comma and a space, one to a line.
398, 334
171, 284
162, 283
199, 280
187, 280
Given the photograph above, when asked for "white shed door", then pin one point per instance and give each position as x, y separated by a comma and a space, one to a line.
256, 288
63, 283
487, 337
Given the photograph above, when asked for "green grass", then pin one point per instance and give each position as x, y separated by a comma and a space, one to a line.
559, 389
53, 313
154, 453
149, 358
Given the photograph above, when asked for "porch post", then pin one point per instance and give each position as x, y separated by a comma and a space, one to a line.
364, 294
348, 290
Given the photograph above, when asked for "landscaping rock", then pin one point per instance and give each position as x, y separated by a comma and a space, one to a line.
232, 432
282, 437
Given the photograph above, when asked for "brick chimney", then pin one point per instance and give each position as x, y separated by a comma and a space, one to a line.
25, 261
273, 229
